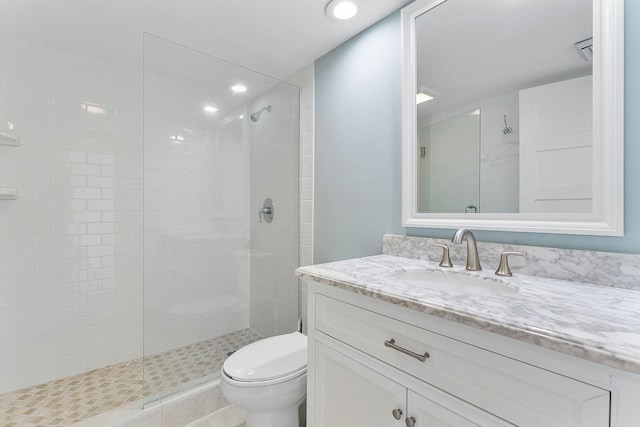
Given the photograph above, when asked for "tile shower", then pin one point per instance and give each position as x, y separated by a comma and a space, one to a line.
112, 230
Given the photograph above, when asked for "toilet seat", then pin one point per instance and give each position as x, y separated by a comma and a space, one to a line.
270, 360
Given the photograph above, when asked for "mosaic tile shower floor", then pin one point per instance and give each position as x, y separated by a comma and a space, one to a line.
73, 399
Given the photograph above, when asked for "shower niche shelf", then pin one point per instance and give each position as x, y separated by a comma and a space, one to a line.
9, 138
8, 193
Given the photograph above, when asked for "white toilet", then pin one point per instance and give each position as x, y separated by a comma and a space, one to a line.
268, 379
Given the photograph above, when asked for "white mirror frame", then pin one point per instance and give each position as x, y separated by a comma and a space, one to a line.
608, 139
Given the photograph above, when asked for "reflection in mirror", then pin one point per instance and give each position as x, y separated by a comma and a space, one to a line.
526, 66
513, 115
450, 143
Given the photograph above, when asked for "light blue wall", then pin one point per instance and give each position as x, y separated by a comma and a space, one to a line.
357, 144
358, 133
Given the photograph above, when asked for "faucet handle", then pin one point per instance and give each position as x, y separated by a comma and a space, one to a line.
446, 260
503, 268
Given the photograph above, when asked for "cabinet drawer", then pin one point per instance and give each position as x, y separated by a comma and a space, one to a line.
515, 391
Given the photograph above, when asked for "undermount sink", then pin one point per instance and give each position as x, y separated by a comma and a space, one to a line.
456, 282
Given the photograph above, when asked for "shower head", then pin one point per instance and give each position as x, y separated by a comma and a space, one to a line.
256, 116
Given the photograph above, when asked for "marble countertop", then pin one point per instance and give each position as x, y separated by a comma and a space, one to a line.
596, 323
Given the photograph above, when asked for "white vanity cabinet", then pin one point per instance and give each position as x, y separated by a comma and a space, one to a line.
449, 375
352, 391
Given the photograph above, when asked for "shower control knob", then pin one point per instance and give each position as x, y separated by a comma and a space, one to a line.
267, 211
397, 413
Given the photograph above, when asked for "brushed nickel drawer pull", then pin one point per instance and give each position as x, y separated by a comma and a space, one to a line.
392, 343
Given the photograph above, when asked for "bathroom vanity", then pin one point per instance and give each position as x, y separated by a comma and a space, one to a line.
388, 349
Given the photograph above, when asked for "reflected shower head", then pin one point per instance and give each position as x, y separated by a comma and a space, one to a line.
256, 116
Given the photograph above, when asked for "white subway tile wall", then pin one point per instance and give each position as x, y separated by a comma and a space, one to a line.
71, 244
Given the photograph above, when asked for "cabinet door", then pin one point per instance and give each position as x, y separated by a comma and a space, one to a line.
430, 414
427, 413
350, 394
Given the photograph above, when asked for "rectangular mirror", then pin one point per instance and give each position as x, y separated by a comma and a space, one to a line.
513, 115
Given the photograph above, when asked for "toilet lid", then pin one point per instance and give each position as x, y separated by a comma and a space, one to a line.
269, 358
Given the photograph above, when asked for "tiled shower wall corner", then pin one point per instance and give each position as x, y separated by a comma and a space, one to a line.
274, 246
71, 245
305, 79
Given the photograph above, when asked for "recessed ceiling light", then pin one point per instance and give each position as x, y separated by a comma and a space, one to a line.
210, 109
239, 88
341, 10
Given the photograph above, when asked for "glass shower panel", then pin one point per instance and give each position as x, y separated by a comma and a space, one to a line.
448, 165
211, 155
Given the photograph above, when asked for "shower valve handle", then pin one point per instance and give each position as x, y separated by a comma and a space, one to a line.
266, 212
263, 213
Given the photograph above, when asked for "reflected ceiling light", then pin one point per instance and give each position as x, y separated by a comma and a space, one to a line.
94, 109
341, 10
210, 109
239, 88
177, 138
423, 97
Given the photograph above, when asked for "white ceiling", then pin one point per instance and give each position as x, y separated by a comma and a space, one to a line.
275, 37
470, 50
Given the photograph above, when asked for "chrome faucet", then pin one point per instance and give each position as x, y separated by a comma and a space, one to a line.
473, 261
